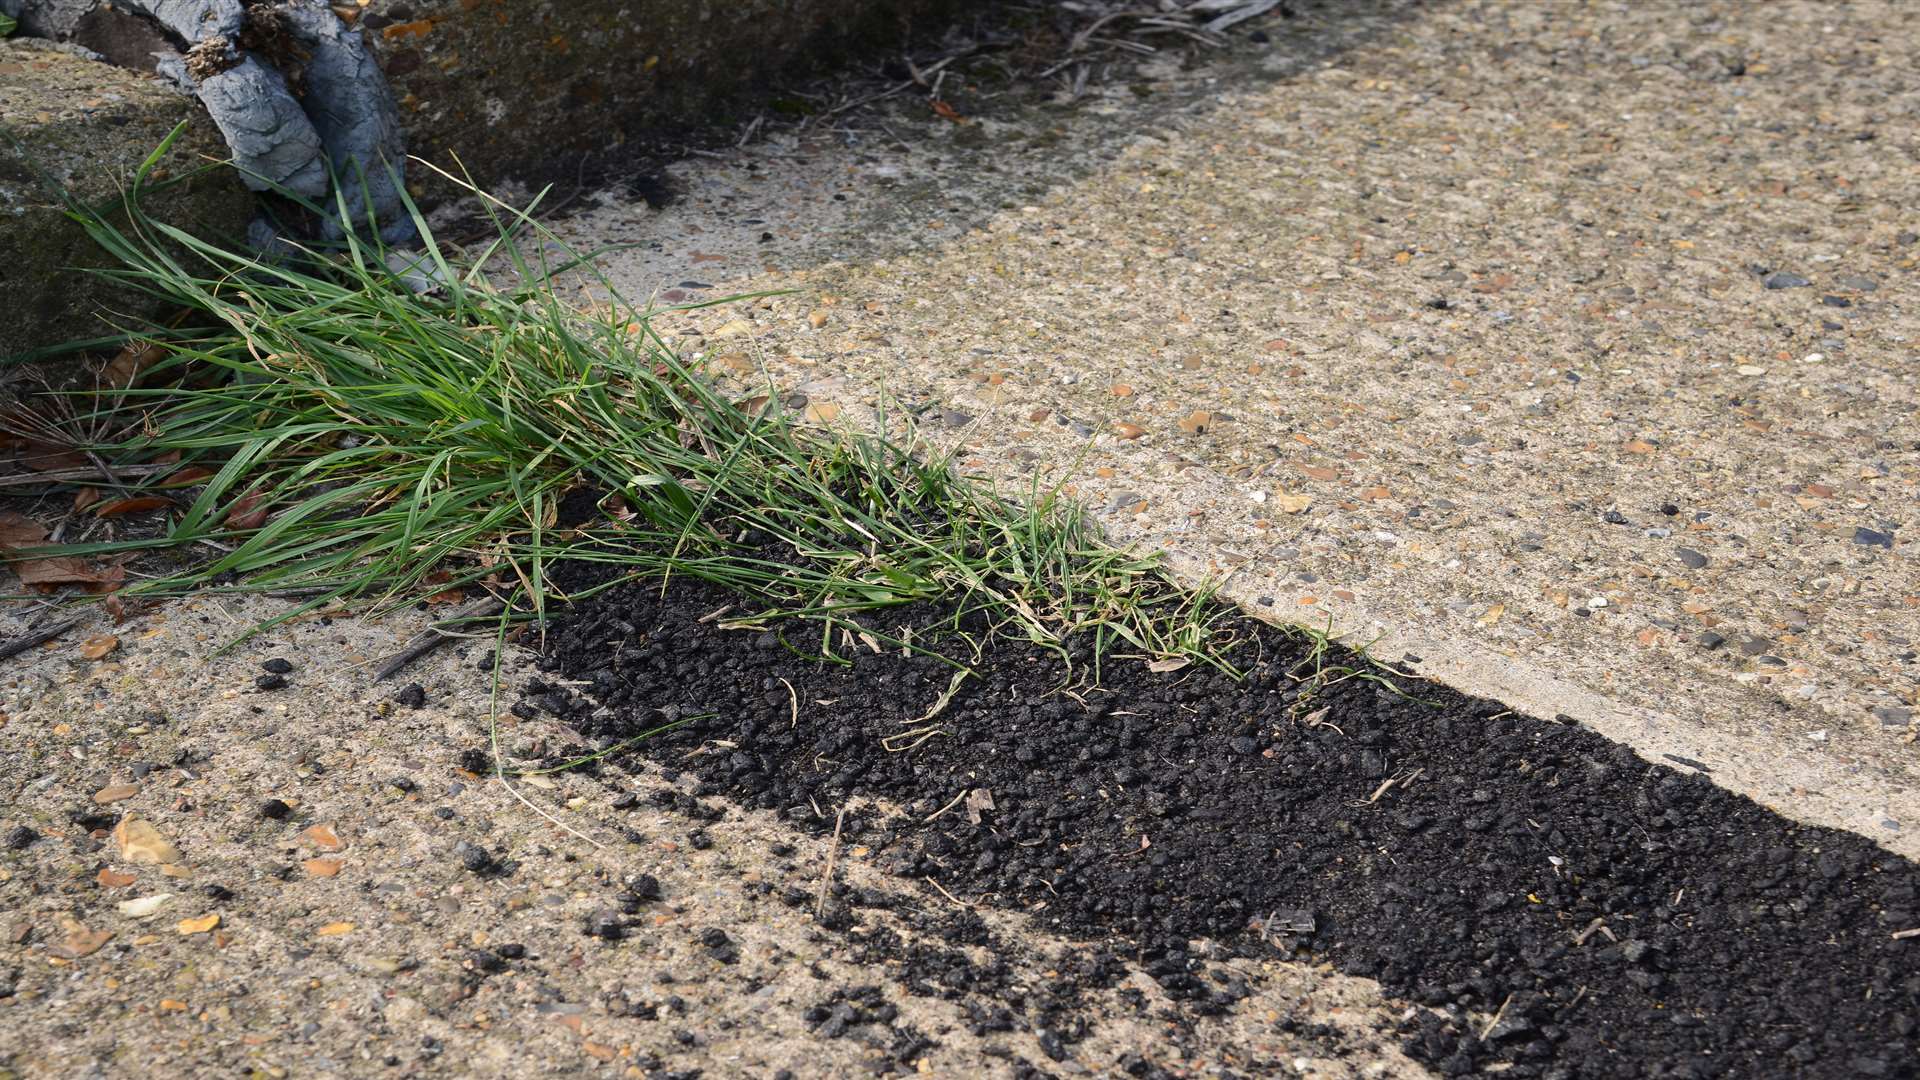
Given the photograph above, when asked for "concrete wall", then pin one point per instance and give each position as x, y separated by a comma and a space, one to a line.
88, 125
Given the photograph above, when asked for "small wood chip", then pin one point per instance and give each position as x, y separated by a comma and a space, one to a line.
198, 926
322, 836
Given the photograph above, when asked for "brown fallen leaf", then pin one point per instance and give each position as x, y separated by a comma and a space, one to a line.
1128, 431
98, 646
51, 574
114, 793
1638, 446
47, 575
322, 868
335, 929
19, 531
947, 112
186, 477
198, 926
134, 359
134, 505
113, 879
247, 512
1321, 472
1196, 422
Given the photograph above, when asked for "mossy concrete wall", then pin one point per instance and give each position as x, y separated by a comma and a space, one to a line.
88, 126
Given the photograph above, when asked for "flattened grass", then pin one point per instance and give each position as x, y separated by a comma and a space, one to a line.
352, 434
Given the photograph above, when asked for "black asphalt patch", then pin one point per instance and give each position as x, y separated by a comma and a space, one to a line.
1558, 906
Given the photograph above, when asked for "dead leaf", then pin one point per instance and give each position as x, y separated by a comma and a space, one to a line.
1321, 472
113, 879
322, 867
335, 929
186, 477
1196, 422
1492, 615
977, 800
947, 112
817, 318
1128, 431
1171, 663
85, 497
19, 531
1638, 446
114, 793
247, 512
1122, 390
98, 646
134, 505
48, 575
198, 926
134, 359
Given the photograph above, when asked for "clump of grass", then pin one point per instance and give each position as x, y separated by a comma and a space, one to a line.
351, 435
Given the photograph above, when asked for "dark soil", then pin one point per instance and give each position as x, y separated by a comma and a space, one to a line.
1559, 906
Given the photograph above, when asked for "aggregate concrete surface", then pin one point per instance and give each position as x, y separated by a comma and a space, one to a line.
309, 901
1386, 320
1565, 353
